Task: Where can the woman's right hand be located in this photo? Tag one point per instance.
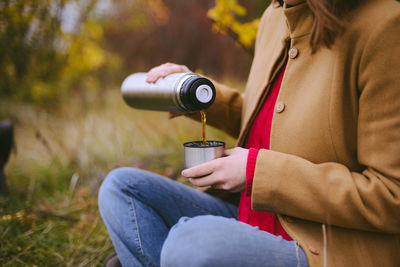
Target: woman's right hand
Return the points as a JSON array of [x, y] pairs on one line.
[[163, 70]]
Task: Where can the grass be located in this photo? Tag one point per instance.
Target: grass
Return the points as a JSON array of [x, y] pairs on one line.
[[50, 217]]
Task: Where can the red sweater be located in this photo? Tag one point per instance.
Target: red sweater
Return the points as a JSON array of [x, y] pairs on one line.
[[259, 137]]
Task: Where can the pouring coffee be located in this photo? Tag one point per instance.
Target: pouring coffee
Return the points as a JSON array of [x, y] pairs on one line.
[[177, 92]]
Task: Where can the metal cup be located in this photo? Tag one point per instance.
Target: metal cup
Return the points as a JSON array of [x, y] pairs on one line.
[[196, 152]]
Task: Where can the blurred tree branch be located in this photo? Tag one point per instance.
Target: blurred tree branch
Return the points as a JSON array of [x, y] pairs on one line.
[[40, 60], [227, 16], [49, 49]]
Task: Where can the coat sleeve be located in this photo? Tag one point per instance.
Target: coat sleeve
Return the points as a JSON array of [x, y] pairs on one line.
[[225, 113], [329, 192]]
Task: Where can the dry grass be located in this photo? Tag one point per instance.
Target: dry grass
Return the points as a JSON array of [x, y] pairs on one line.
[[51, 217]]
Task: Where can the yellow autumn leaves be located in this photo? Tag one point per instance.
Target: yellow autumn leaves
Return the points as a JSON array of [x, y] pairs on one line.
[[44, 58], [225, 15]]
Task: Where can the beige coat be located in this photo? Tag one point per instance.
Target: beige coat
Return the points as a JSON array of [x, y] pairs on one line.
[[333, 171]]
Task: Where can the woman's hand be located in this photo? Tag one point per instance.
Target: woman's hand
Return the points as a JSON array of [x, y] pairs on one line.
[[163, 70], [227, 173]]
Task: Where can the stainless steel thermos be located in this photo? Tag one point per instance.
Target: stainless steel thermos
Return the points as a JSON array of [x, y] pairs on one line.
[[175, 92]]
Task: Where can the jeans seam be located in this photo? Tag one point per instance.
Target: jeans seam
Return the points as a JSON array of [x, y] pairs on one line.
[[174, 195], [138, 233], [296, 246]]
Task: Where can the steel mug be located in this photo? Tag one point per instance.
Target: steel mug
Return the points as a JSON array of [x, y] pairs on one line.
[[196, 152]]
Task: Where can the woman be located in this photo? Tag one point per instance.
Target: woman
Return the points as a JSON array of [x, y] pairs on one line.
[[318, 156]]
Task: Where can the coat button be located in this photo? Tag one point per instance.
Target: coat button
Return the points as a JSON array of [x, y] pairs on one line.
[[313, 250], [280, 106], [293, 52]]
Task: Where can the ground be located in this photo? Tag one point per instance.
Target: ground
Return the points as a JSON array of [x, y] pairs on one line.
[[62, 154]]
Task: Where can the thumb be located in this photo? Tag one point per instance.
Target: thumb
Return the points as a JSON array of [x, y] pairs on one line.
[[229, 152]]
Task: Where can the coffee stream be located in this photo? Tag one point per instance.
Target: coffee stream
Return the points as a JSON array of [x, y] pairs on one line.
[[203, 120]]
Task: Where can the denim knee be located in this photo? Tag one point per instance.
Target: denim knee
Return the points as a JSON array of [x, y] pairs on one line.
[[113, 184], [191, 242]]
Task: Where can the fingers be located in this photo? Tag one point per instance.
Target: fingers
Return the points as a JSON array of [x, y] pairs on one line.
[[163, 70], [227, 173], [200, 170], [205, 181], [172, 115], [204, 174]]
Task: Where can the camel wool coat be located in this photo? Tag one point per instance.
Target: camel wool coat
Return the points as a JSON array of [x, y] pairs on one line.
[[333, 170]]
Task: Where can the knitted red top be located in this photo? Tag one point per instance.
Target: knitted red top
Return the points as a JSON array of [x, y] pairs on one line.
[[259, 138]]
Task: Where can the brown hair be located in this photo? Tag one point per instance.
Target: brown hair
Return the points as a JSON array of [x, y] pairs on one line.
[[329, 20]]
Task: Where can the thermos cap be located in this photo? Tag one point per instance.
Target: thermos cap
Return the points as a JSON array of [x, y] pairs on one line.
[[204, 93]]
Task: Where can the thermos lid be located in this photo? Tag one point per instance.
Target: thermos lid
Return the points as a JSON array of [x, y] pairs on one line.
[[197, 93], [204, 93]]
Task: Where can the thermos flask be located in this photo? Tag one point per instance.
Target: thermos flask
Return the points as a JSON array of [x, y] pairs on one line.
[[177, 92]]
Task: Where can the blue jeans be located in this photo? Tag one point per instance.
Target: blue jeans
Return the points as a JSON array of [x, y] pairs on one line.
[[154, 221]]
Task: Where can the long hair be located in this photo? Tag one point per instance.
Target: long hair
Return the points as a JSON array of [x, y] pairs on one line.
[[329, 20]]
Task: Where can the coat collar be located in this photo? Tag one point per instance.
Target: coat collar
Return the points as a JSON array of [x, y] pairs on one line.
[[299, 19]]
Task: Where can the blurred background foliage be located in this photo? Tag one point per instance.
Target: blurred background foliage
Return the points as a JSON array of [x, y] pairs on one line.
[[61, 66], [51, 49], [225, 15]]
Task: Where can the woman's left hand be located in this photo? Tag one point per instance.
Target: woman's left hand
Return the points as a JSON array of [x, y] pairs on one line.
[[227, 173]]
